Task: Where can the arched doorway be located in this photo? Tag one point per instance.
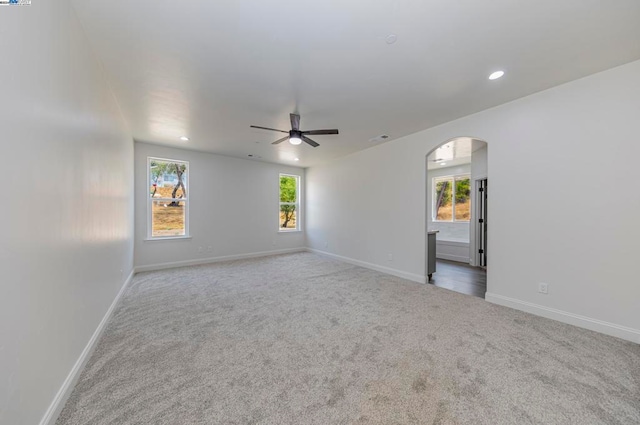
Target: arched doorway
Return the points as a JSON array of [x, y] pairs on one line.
[[456, 219]]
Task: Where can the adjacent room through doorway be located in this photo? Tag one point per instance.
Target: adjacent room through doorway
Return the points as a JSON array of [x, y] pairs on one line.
[[457, 199]]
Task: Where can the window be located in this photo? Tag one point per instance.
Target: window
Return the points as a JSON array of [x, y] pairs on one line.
[[168, 206], [289, 202], [452, 198]]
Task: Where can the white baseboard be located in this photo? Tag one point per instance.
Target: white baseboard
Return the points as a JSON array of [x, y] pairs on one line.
[[174, 264], [450, 257], [388, 270], [607, 328], [56, 406]]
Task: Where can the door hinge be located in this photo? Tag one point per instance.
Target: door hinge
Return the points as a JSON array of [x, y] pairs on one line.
[[481, 189], [480, 220], [481, 251]]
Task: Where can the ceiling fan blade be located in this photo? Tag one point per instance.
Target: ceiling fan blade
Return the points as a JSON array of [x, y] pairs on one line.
[[267, 128], [309, 141], [280, 140], [295, 121], [312, 132]]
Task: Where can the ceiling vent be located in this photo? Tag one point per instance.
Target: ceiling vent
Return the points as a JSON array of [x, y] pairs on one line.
[[380, 138]]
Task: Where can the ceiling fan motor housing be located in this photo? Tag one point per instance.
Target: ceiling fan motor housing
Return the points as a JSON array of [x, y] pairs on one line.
[[296, 134]]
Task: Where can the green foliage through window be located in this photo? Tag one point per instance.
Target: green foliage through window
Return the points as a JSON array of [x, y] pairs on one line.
[[452, 198], [288, 202]]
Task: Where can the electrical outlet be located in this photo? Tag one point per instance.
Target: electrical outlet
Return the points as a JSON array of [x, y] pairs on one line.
[[543, 288], [390, 257], [326, 244], [209, 248], [200, 250]]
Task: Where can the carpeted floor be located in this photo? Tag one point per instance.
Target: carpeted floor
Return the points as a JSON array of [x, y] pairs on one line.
[[302, 339]]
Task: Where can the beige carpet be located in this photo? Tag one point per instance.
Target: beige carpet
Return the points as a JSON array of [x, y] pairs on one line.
[[302, 339]]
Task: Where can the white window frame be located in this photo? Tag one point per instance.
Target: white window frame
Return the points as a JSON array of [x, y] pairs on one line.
[[434, 200], [296, 203], [150, 200]]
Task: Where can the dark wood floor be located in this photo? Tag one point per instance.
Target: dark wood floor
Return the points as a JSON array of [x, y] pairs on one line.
[[460, 277]]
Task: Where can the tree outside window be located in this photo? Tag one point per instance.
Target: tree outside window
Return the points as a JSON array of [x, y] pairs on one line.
[[452, 198], [289, 202], [168, 201]]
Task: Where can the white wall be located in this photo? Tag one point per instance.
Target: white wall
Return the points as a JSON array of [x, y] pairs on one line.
[[479, 171], [67, 240], [549, 220], [234, 206]]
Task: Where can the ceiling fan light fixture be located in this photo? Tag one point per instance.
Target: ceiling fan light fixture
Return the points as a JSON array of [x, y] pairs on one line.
[[295, 137]]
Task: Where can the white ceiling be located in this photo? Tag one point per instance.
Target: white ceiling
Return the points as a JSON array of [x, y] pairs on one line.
[[209, 69], [452, 153]]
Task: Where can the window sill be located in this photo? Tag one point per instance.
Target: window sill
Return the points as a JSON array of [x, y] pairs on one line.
[[448, 221], [289, 231], [168, 238]]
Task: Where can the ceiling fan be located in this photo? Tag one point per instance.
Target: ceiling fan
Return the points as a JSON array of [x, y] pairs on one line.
[[297, 136]]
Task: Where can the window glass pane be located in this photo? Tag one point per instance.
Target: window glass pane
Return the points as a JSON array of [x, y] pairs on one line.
[[168, 218], [443, 207], [288, 189], [168, 190], [463, 198], [288, 215], [168, 179], [288, 202]]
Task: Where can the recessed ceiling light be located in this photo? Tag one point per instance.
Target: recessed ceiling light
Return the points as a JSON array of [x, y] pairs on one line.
[[184, 138], [443, 163], [296, 159], [496, 75]]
